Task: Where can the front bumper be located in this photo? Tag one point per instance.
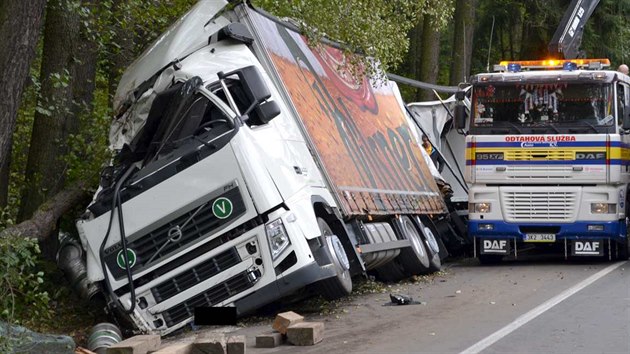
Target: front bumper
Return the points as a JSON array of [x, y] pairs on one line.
[[614, 230]]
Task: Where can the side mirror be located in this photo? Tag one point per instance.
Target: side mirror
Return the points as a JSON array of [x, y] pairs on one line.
[[264, 113], [625, 125], [253, 84], [460, 116]]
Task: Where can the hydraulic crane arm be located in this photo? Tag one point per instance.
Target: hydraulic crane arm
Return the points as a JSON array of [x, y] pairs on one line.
[[568, 36]]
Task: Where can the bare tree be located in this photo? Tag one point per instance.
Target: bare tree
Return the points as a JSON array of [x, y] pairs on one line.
[[20, 27]]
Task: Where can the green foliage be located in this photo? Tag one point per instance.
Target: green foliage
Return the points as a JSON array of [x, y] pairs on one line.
[[22, 300]]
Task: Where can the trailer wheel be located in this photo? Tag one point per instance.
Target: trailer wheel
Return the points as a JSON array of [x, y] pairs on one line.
[[429, 232], [415, 259], [341, 284]]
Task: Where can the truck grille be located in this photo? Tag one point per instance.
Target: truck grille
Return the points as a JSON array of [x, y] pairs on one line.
[[527, 155], [209, 298], [198, 223], [196, 275], [539, 206]]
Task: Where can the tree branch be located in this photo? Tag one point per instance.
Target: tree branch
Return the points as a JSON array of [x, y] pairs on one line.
[[44, 221]]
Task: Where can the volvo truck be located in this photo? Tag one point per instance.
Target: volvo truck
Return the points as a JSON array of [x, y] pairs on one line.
[[249, 165]]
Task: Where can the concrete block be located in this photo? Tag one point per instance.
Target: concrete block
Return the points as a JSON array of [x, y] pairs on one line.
[[286, 319], [236, 345], [179, 348], [136, 345], [305, 333], [210, 343], [269, 340]]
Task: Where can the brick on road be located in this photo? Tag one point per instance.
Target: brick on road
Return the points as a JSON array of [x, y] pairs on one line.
[[179, 348], [286, 319], [136, 345], [306, 333], [236, 345], [268, 340], [210, 343]]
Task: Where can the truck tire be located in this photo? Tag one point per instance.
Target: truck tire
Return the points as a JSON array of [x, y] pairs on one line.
[[415, 259], [432, 241], [624, 248], [341, 284]]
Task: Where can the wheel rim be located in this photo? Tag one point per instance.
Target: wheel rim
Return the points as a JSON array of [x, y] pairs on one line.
[[414, 239], [340, 252], [431, 239]]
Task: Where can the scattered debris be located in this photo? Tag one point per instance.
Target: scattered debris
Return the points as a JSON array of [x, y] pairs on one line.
[[236, 345], [286, 319], [136, 345], [397, 299], [306, 333], [210, 343], [458, 292], [179, 348], [269, 340]]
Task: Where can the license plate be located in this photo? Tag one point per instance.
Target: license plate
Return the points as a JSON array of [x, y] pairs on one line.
[[540, 238]]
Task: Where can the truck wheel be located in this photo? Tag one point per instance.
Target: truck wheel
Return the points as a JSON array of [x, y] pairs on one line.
[[415, 259], [434, 243], [624, 248], [341, 284]]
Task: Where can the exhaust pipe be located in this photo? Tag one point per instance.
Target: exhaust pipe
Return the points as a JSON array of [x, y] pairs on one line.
[[71, 261]]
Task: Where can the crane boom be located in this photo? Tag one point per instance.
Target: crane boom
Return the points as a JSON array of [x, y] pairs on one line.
[[568, 37]]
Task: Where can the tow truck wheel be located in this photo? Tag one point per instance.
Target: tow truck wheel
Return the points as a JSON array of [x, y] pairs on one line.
[[415, 259], [341, 284], [624, 248]]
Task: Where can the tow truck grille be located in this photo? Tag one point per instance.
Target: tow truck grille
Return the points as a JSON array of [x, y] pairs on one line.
[[539, 206], [211, 297], [195, 275], [528, 155]]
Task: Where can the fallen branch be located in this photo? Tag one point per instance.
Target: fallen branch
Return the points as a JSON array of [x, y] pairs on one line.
[[44, 221]]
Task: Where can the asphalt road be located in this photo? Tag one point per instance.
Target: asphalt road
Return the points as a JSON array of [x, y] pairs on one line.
[[531, 306]]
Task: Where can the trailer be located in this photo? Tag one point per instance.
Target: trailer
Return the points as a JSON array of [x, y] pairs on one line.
[[249, 166]]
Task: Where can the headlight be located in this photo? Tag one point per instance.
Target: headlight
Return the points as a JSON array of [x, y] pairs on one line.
[[479, 207], [603, 208], [277, 237]]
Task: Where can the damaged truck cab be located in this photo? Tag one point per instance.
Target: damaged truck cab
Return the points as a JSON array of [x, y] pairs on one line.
[[247, 167]]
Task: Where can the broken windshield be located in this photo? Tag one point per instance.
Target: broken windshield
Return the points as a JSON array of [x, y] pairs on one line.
[[543, 108]]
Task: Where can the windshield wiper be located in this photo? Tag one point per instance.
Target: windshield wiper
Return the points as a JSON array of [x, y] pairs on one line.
[[513, 126], [591, 126], [554, 127]]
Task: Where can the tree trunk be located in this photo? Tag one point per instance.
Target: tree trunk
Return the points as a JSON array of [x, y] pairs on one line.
[[20, 26], [414, 55], [83, 72], [462, 41], [4, 180], [44, 221], [430, 56], [44, 169]]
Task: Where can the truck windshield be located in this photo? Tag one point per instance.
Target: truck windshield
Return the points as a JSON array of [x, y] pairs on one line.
[[543, 108]]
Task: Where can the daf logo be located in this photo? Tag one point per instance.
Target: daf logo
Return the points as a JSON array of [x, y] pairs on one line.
[[587, 248], [590, 155], [495, 247]]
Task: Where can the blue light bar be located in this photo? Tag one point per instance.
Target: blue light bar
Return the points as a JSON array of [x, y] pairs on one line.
[[570, 66], [513, 67]]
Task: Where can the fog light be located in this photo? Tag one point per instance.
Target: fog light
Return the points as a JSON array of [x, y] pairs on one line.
[[485, 227], [595, 227]]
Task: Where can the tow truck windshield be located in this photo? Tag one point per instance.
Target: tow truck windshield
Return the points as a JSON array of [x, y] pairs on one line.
[[543, 108]]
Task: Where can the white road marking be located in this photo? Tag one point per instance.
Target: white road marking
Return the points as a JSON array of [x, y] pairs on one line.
[[539, 310]]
